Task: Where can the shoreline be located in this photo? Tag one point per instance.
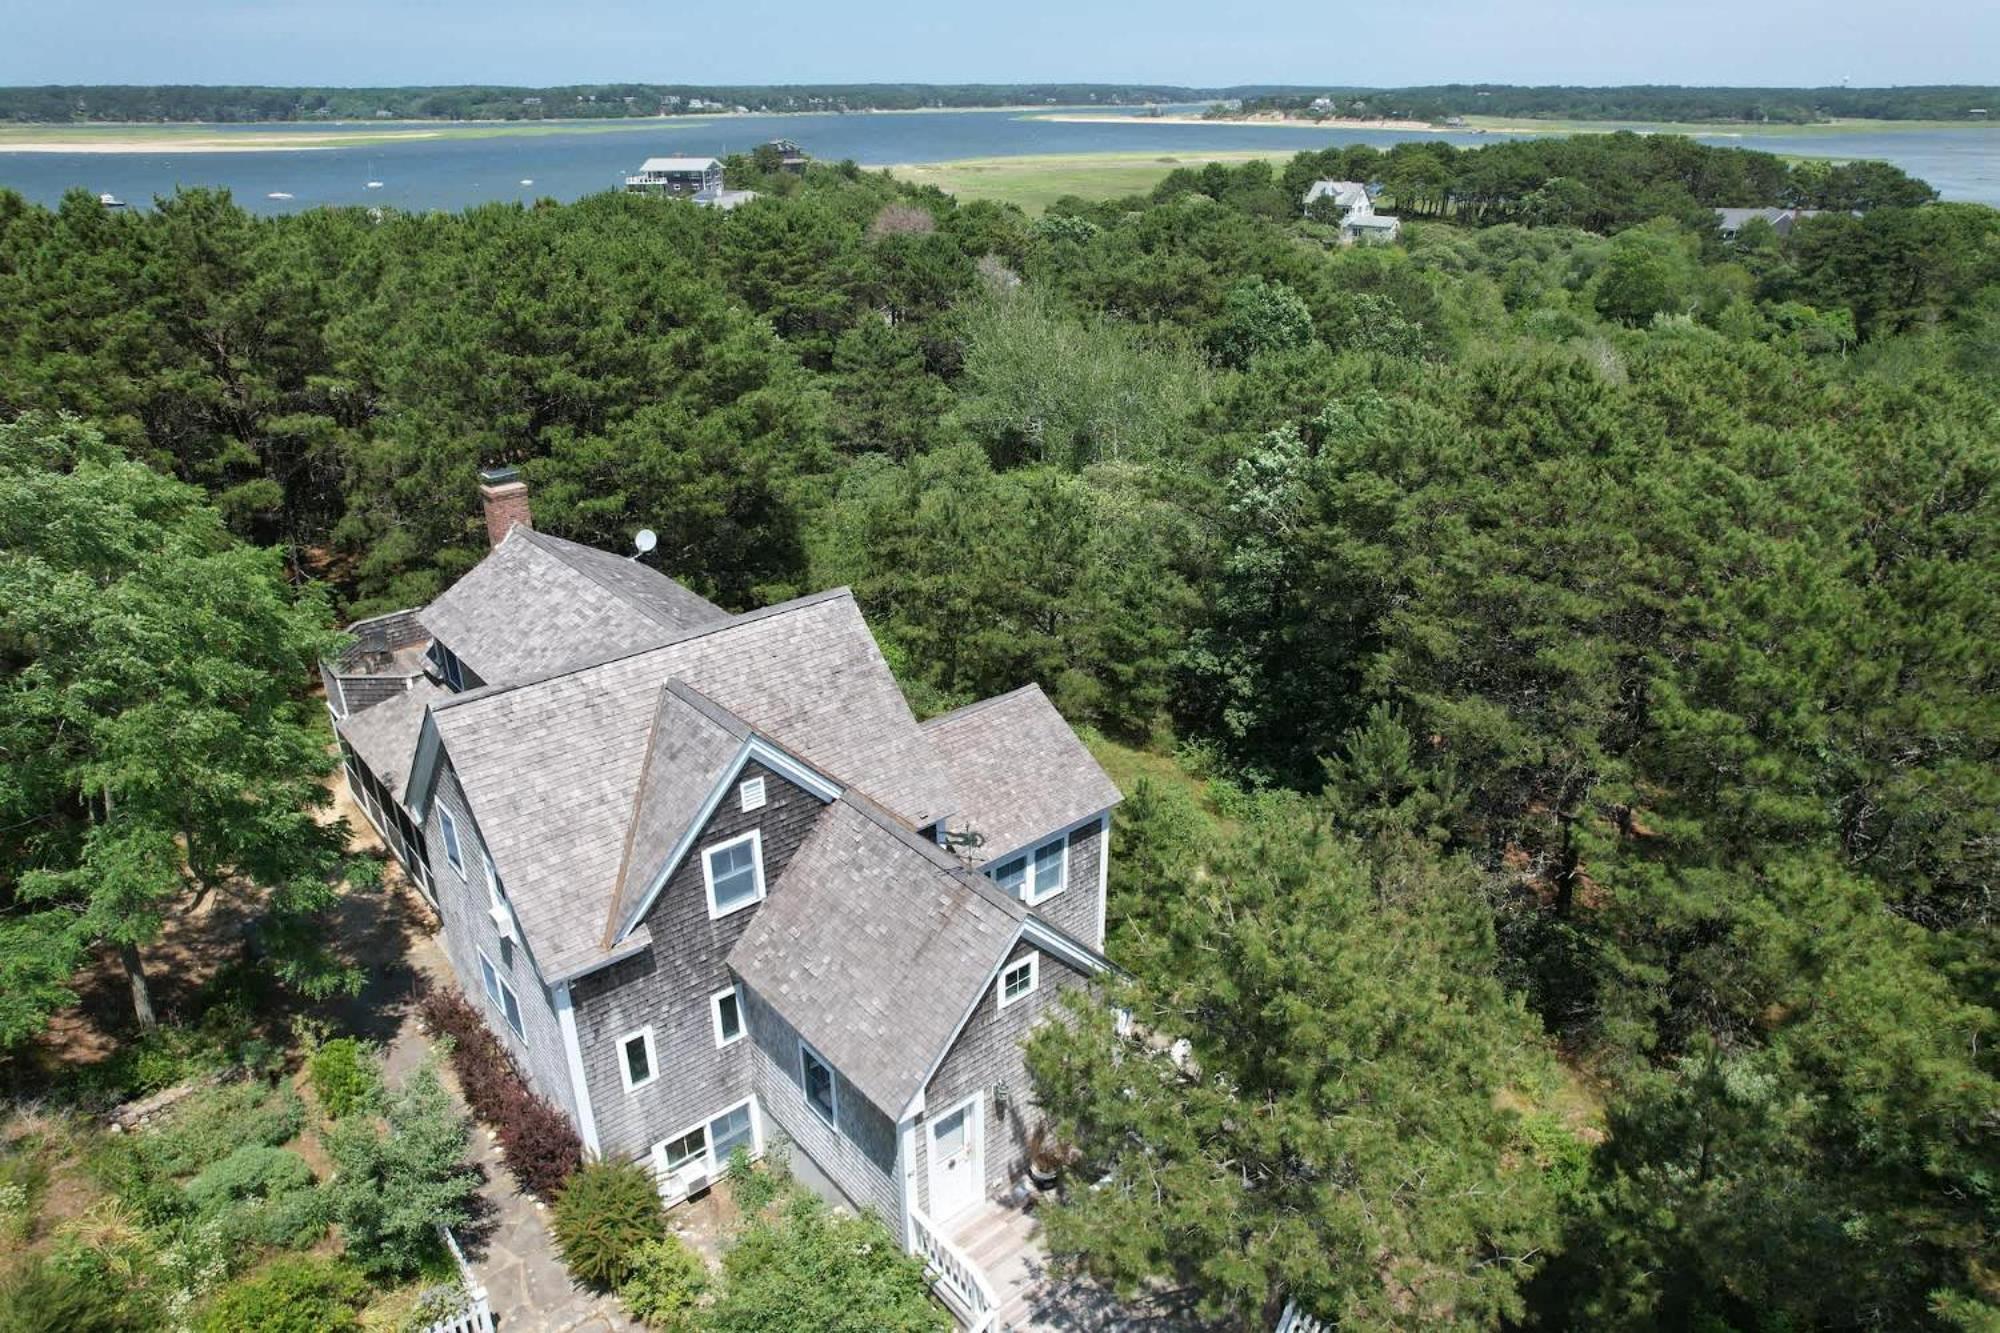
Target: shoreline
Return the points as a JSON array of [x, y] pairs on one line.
[[1404, 126], [1475, 125], [248, 136]]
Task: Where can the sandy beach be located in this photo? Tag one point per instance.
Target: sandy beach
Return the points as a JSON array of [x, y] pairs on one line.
[[266, 145]]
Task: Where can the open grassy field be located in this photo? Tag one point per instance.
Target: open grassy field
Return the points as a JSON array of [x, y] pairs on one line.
[[1034, 182]]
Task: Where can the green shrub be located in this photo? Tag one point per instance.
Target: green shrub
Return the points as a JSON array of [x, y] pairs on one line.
[[24, 1178], [345, 1077], [260, 1196], [602, 1217], [665, 1285], [392, 1189], [295, 1294], [252, 1172], [43, 1297], [210, 1125], [806, 1268], [434, 1305], [752, 1186]]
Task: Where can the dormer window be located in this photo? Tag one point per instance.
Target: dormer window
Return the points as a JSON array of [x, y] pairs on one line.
[[1036, 876]]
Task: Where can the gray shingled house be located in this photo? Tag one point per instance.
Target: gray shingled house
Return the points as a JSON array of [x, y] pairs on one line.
[[715, 884]]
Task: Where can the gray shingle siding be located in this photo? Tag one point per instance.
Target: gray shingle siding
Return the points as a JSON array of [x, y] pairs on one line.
[[360, 693], [1075, 909], [668, 986], [861, 1157], [462, 906], [989, 1052]]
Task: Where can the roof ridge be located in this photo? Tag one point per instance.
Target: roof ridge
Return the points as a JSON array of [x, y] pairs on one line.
[[701, 703], [632, 822], [540, 541], [697, 632], [966, 710]]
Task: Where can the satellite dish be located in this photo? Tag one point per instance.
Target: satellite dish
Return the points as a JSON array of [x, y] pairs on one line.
[[645, 540]]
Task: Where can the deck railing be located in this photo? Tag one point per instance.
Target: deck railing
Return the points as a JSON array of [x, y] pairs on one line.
[[958, 1279]]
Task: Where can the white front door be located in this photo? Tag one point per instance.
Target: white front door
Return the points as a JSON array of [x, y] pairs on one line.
[[957, 1160]]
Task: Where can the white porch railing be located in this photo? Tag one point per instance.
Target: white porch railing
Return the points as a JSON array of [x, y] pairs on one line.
[[477, 1315], [959, 1281], [1295, 1320]]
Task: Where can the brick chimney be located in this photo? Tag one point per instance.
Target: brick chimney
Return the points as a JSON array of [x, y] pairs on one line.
[[505, 496]]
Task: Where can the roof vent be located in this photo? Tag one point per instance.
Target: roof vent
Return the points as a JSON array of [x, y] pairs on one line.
[[505, 497]]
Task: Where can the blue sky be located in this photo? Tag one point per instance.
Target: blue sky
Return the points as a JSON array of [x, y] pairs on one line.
[[354, 42]]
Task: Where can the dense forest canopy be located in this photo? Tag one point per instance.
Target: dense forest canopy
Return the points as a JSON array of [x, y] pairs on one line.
[[1582, 626], [82, 103], [1646, 102]]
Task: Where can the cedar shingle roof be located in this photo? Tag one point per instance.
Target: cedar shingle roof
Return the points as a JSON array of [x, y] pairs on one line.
[[687, 753], [1018, 769], [538, 603], [873, 944], [551, 765], [385, 734]]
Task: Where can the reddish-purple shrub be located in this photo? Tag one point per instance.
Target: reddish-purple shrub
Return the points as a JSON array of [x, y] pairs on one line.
[[539, 1145], [537, 1141]]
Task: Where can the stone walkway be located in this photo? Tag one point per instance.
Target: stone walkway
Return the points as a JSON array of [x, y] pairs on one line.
[[510, 1248]]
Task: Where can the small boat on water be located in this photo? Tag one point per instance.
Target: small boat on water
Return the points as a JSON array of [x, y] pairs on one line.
[[110, 201], [277, 194], [529, 181], [374, 185]]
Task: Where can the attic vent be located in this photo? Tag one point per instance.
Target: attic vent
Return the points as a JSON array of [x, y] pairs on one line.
[[751, 794]]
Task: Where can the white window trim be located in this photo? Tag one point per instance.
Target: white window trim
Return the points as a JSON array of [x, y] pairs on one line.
[[454, 852], [751, 794], [832, 1085], [1028, 894], [500, 980], [1034, 963], [494, 896], [756, 840], [712, 1167], [645, 1035], [715, 1017]]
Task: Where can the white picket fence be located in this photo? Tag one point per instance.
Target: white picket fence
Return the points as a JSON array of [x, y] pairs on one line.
[[1295, 1320], [477, 1315], [959, 1280]]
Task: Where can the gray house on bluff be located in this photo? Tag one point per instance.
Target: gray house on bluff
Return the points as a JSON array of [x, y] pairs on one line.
[[712, 881]]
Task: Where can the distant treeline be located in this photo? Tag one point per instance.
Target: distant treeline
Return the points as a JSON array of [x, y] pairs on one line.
[[1788, 106], [74, 103], [59, 104]]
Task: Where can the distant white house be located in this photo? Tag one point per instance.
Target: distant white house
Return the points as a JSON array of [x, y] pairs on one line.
[[1730, 221], [696, 179], [1358, 219]]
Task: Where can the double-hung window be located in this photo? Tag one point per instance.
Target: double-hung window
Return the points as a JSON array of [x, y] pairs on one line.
[[1018, 980], [638, 1065], [1036, 876], [734, 871], [727, 1010], [707, 1146], [502, 995], [1047, 877], [817, 1076], [689, 1147], [449, 827]]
